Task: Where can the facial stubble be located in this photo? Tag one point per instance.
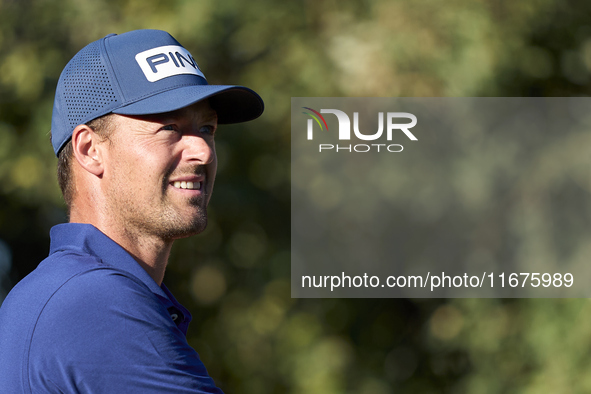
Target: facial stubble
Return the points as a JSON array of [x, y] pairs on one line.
[[169, 220]]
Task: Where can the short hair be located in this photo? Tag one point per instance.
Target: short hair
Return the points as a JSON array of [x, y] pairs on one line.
[[102, 126]]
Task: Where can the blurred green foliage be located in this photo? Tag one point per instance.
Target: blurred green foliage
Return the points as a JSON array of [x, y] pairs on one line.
[[235, 277]]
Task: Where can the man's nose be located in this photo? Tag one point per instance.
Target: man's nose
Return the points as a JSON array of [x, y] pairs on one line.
[[198, 149]]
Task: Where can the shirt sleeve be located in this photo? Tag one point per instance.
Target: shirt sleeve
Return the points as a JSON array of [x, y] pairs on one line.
[[104, 332]]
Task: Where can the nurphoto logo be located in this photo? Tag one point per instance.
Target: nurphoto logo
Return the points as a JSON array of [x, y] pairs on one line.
[[392, 125]]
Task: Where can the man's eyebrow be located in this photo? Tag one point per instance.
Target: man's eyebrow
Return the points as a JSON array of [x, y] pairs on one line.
[[179, 113], [204, 115], [210, 115]]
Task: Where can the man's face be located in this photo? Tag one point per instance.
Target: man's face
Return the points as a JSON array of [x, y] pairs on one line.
[[160, 170]]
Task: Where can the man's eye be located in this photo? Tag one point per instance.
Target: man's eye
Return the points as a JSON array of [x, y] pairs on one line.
[[209, 129], [169, 127]]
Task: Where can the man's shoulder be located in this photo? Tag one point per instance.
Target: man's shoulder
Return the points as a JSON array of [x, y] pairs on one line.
[[84, 319], [67, 283], [102, 295], [67, 291], [65, 271]]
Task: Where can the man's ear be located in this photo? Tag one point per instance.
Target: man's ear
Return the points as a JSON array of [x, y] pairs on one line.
[[88, 150]]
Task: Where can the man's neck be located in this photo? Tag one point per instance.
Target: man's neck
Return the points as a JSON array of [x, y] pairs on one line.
[[150, 252]]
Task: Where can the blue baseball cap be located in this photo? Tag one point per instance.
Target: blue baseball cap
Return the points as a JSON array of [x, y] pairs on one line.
[[138, 73]]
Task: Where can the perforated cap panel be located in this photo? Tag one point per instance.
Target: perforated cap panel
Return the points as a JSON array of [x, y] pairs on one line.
[[86, 86]]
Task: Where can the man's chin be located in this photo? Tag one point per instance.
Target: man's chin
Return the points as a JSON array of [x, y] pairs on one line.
[[193, 228], [191, 232], [181, 227]]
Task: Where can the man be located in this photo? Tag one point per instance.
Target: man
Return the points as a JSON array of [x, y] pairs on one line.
[[133, 127]]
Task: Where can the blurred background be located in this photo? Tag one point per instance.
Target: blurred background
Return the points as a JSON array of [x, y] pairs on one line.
[[251, 335]]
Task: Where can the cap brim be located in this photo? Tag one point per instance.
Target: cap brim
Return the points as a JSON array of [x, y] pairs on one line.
[[233, 104]]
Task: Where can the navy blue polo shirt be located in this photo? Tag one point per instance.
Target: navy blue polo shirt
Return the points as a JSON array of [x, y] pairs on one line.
[[90, 319]]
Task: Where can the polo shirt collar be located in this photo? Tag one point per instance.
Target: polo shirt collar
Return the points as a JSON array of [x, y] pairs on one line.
[[87, 239]]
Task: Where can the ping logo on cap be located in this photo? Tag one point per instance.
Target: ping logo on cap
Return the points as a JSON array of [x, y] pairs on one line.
[[166, 61]]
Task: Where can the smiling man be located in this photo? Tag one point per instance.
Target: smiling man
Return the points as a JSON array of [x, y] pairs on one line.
[[133, 127]]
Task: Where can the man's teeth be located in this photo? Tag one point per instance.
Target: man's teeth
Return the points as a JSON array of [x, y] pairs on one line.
[[187, 185]]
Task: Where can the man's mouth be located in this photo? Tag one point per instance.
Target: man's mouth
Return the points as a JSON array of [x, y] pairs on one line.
[[187, 185]]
